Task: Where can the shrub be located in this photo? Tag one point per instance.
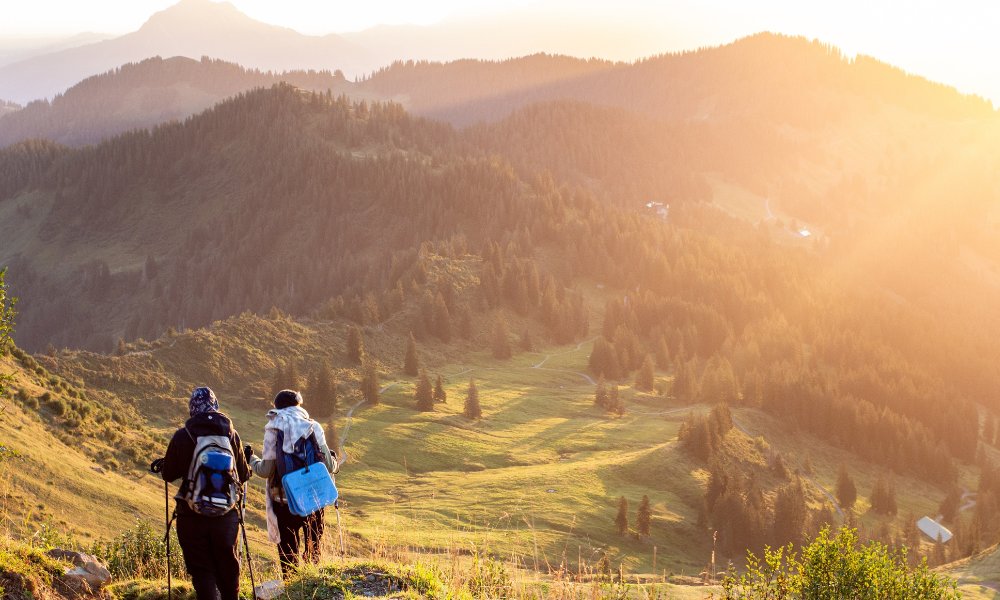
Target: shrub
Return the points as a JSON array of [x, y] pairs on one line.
[[139, 553], [489, 579], [837, 567]]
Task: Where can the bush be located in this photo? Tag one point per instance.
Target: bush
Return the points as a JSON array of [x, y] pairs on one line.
[[139, 553], [837, 567], [58, 406], [489, 579]]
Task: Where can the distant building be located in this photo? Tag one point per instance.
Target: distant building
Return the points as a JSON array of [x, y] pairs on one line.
[[934, 530]]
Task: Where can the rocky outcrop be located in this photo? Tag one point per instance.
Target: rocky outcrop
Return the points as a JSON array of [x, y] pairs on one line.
[[87, 575]]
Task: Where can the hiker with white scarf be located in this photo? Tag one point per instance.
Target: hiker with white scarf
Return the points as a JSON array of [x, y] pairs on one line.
[[290, 532]]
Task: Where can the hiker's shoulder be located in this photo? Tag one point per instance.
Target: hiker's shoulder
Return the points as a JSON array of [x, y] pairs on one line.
[[211, 423]]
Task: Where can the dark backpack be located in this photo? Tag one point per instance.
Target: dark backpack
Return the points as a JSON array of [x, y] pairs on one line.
[[211, 488], [306, 453]]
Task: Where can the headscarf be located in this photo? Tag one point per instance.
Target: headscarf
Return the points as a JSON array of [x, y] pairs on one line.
[[203, 400]]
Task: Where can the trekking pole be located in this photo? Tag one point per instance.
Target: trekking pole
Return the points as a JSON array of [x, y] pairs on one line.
[[157, 467], [166, 516], [340, 532], [246, 544]]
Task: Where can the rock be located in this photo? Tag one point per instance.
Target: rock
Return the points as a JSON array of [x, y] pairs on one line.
[[87, 574], [269, 590]]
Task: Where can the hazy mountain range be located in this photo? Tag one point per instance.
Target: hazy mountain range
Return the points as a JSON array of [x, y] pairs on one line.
[[192, 28]]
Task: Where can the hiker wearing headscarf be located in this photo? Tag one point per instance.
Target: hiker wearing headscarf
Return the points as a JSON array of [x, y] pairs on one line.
[[208, 542], [293, 534]]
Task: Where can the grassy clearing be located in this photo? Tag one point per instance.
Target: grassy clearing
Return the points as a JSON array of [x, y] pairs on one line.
[[978, 577]]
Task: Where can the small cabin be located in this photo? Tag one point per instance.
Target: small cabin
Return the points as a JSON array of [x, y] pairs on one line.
[[934, 530]]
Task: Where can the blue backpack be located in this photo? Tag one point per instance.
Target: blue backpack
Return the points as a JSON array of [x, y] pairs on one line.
[[305, 481]]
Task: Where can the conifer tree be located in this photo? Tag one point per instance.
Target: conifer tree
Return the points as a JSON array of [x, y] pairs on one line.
[[424, 394], [292, 379], [472, 410], [411, 364], [621, 519], [601, 398], [501, 340], [355, 345], [790, 514], [441, 319], [527, 344], [847, 493], [662, 354], [643, 516], [323, 391], [278, 382], [440, 395], [369, 385], [645, 378]]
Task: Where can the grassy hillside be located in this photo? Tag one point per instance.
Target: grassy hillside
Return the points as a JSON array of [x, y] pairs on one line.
[[65, 475], [978, 577], [536, 481]]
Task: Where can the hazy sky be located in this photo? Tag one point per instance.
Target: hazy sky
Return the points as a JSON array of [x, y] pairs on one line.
[[953, 42]]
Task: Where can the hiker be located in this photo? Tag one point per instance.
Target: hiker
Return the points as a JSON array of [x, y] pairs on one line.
[[293, 534], [208, 521]]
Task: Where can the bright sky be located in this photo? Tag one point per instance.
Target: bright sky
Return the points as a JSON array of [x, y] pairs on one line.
[[954, 42]]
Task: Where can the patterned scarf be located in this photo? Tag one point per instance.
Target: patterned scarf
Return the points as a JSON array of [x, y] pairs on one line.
[[203, 400]]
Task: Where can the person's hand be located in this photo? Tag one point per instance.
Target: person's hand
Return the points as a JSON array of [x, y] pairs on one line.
[[156, 466], [248, 452]]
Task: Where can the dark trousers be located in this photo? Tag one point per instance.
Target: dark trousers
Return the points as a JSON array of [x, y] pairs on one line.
[[297, 534], [211, 554]]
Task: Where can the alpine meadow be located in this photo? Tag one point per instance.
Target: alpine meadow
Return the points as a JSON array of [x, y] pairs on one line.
[[705, 323]]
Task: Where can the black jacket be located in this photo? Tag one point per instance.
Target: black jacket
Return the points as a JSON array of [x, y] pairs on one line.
[[181, 451]]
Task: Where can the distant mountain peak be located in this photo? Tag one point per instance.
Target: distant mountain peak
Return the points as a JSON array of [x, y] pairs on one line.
[[202, 12]]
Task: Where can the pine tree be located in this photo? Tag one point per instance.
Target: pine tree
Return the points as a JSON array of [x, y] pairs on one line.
[[441, 319], [527, 344], [323, 392], [662, 354], [847, 493], [621, 519], [369, 385], [311, 388], [601, 398], [440, 395], [278, 383], [501, 340], [293, 379], [355, 345], [643, 516], [645, 378], [790, 514], [411, 365], [424, 394], [472, 409]]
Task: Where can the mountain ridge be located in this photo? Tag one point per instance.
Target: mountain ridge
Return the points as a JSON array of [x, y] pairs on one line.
[[192, 29]]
